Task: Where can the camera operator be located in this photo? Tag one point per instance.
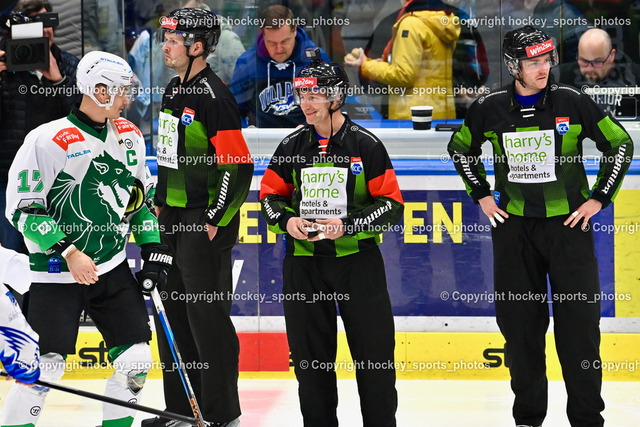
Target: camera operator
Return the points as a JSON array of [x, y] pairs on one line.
[[29, 99]]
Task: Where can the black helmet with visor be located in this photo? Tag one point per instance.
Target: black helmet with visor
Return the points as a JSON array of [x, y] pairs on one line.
[[328, 78], [526, 43], [193, 24]]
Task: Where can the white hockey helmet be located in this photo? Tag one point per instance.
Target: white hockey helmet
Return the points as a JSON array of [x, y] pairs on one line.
[[97, 68]]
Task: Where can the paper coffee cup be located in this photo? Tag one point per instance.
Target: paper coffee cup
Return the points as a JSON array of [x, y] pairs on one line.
[[421, 117]]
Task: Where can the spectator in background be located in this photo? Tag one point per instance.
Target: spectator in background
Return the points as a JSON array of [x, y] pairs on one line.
[[263, 77], [102, 24], [147, 61], [599, 64], [420, 71], [223, 59], [88, 25], [323, 21], [363, 16], [23, 107], [470, 61], [229, 48], [69, 31]]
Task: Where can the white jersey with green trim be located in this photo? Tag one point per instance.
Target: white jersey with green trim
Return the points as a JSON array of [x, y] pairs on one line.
[[69, 181]]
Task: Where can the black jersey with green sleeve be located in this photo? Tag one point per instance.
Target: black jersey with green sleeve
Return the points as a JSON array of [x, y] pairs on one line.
[[538, 151], [353, 180], [203, 159]]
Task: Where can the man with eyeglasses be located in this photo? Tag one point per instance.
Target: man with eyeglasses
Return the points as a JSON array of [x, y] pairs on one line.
[[540, 210], [599, 66]]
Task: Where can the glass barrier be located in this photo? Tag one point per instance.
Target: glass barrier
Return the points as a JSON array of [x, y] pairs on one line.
[[444, 54]]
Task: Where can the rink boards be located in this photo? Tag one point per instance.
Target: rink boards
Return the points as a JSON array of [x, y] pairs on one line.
[[439, 274], [418, 355], [439, 258]]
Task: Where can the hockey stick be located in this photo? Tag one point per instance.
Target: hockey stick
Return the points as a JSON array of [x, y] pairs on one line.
[[177, 357], [113, 401]]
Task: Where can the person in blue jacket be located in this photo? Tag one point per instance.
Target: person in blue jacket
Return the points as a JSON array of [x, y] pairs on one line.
[[262, 80]]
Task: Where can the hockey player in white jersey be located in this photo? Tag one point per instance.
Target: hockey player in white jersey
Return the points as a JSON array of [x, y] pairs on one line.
[[19, 351], [75, 187]]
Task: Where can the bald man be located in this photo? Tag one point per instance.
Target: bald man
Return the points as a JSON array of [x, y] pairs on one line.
[[598, 65], [596, 55]]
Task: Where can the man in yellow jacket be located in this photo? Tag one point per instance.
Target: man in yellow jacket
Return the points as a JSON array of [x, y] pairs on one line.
[[417, 62]]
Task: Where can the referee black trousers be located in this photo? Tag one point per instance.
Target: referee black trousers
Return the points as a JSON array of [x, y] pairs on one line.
[[526, 251], [198, 301], [357, 283]]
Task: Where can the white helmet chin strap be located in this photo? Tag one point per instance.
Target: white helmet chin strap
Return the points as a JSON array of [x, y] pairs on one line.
[[107, 105]]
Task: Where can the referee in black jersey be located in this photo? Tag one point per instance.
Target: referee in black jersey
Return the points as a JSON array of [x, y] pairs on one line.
[[540, 210], [204, 173]]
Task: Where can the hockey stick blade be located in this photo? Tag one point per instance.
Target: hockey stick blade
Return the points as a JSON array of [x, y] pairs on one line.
[[113, 401]]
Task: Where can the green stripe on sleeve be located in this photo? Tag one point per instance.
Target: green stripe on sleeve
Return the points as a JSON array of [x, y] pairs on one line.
[[461, 141], [144, 227], [491, 136], [613, 132], [40, 229]]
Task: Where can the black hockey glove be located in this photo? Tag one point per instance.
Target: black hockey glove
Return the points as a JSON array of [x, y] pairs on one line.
[[155, 270]]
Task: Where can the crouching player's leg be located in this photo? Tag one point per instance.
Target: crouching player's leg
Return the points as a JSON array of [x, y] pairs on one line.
[[24, 403], [132, 364]]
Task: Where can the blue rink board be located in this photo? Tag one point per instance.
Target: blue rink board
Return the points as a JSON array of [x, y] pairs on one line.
[[417, 273]]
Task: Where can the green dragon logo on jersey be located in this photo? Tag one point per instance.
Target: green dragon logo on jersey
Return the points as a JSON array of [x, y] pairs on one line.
[[90, 211]]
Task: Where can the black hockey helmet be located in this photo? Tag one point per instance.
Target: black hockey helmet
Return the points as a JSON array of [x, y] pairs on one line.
[[526, 43], [193, 24], [328, 77]]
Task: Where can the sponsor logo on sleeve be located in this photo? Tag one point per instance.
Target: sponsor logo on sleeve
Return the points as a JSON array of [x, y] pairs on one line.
[[124, 126], [67, 136]]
